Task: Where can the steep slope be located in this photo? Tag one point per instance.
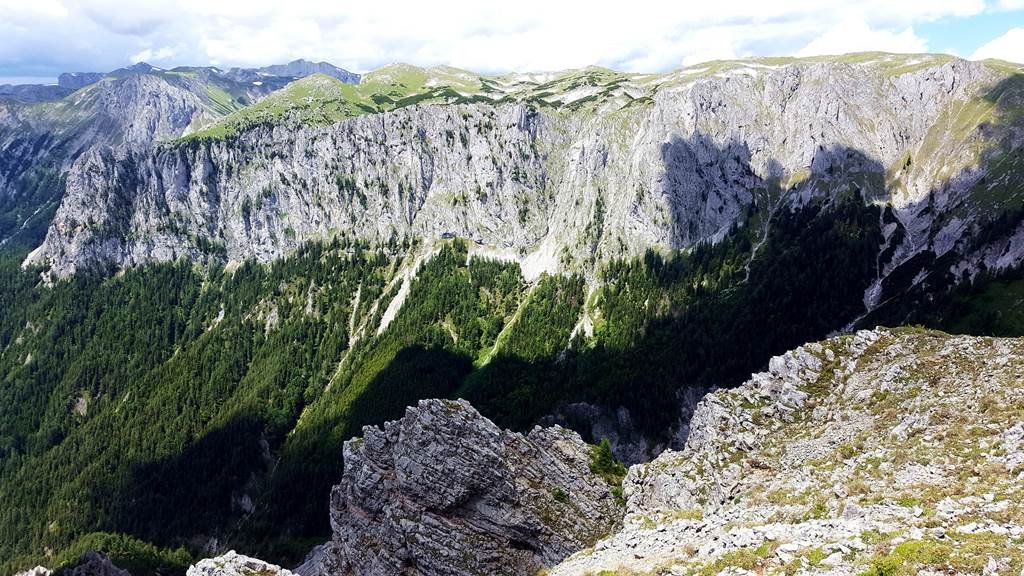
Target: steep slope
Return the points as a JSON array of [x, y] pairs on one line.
[[567, 171], [40, 143], [165, 368], [887, 451], [132, 107]]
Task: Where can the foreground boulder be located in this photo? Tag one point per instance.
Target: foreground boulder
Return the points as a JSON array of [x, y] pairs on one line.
[[886, 452], [445, 491]]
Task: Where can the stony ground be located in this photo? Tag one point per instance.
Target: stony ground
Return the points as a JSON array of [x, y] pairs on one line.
[[887, 452]]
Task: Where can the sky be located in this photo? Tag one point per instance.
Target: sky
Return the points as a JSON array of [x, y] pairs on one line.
[[41, 38]]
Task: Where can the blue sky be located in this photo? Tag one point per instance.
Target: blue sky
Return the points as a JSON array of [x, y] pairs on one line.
[[962, 36], [41, 38]]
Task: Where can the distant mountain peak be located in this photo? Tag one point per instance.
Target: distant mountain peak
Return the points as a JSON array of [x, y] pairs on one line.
[[139, 67], [301, 68]]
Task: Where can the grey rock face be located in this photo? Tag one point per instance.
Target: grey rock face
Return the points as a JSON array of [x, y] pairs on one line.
[[611, 170], [41, 142], [148, 108], [252, 203], [445, 491]]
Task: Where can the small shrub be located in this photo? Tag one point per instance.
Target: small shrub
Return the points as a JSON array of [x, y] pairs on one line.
[[847, 451], [604, 464], [560, 496]]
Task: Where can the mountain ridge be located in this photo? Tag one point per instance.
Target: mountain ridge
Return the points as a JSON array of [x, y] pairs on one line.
[[224, 282], [954, 122]]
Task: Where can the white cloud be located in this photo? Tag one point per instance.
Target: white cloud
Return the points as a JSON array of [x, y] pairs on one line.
[[151, 55], [24, 12], [1009, 46], [857, 36], [640, 35]]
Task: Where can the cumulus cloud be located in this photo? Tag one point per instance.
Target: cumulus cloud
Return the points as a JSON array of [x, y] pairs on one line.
[[641, 35], [151, 55], [1009, 46], [857, 36]]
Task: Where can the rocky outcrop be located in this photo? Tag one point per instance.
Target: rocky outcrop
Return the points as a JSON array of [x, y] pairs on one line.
[[234, 564], [445, 491], [894, 451]]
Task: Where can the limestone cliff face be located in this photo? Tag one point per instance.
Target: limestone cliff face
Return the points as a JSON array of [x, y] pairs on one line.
[[586, 166], [445, 491], [40, 143], [128, 109], [375, 177], [134, 110]]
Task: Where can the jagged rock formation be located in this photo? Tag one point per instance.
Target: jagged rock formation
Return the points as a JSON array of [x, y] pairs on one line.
[[571, 169], [445, 491], [235, 564], [888, 450]]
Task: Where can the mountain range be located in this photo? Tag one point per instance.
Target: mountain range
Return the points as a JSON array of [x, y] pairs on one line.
[[211, 279]]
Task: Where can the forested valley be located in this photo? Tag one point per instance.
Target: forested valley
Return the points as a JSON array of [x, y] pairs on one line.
[[151, 411]]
